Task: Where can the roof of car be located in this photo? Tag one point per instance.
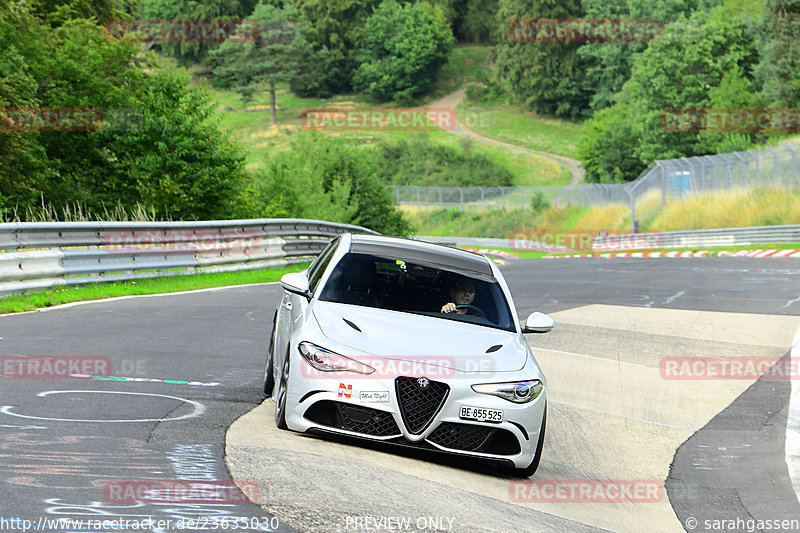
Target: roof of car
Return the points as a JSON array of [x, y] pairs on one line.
[[420, 252]]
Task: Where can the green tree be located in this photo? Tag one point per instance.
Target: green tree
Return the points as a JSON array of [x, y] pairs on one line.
[[24, 162], [477, 23], [56, 12], [333, 28], [471, 20], [401, 51], [546, 76], [779, 67], [686, 69], [608, 64], [605, 148], [189, 52], [324, 178], [168, 154], [280, 54]]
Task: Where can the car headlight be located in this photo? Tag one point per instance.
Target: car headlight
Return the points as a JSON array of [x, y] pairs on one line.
[[328, 361], [514, 391]]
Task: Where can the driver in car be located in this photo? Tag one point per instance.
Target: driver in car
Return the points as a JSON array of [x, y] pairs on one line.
[[462, 294]]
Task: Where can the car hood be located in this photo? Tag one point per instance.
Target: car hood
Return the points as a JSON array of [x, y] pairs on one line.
[[409, 337]]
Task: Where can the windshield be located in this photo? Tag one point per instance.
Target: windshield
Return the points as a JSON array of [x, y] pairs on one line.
[[415, 287]]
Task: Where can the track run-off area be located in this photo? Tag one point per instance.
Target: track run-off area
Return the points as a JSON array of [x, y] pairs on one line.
[[656, 420]]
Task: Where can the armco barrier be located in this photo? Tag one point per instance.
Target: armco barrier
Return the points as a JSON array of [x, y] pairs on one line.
[[756, 235], [41, 255]]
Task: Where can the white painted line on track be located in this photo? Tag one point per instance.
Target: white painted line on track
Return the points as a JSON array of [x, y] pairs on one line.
[[117, 298], [793, 423], [674, 297], [790, 302], [642, 420], [589, 356]]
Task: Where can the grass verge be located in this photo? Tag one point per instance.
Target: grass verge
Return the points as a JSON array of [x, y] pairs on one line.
[[97, 291], [515, 125]]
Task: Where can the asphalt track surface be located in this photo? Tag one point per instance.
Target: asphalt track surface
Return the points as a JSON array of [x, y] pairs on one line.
[[717, 445]]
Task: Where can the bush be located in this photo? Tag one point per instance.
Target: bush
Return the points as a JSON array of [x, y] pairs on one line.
[[538, 202], [489, 91], [417, 161], [401, 50], [325, 178]]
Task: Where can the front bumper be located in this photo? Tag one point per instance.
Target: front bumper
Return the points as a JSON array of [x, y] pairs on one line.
[[378, 410]]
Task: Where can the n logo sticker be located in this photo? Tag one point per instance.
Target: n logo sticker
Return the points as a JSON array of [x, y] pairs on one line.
[[345, 390]]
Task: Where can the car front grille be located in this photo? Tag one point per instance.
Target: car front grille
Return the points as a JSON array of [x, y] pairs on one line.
[[475, 438], [354, 418], [418, 405]]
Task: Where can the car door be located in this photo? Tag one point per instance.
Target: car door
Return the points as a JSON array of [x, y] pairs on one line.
[[293, 306]]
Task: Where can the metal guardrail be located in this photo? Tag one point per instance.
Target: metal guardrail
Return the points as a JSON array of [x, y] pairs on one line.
[[755, 235], [41, 255], [517, 197]]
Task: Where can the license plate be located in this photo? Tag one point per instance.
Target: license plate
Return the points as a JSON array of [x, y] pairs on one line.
[[481, 414]]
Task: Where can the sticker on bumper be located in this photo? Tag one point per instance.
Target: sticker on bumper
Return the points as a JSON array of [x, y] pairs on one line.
[[374, 396]]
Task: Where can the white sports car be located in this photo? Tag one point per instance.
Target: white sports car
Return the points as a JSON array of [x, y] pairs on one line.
[[409, 343]]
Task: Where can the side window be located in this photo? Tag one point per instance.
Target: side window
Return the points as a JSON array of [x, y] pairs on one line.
[[317, 260], [320, 265]]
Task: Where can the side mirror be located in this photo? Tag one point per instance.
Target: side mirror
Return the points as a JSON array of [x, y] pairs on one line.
[[296, 283], [538, 323]]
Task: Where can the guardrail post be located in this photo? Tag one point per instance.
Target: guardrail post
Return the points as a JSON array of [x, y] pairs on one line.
[[775, 166], [633, 212], [794, 168], [503, 193], [744, 168], [461, 195]]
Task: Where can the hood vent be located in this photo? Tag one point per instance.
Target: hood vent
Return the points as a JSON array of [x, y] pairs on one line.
[[352, 325]]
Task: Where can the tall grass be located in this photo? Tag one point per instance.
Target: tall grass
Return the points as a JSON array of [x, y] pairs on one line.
[[76, 212], [738, 208]]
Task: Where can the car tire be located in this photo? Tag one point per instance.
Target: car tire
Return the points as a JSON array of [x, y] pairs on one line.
[[531, 468], [280, 400], [269, 379]]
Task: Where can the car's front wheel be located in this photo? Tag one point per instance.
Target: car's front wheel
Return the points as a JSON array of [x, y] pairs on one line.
[[269, 380], [280, 403], [531, 468]]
